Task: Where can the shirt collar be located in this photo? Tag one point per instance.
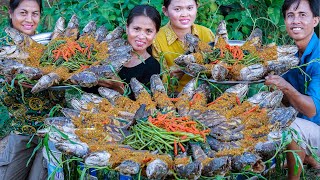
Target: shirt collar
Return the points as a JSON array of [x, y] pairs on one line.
[[171, 35], [312, 43]]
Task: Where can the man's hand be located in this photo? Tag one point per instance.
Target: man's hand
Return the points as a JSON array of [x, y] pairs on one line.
[[278, 82], [303, 103]]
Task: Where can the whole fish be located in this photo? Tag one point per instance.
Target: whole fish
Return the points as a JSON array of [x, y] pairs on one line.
[[45, 82]]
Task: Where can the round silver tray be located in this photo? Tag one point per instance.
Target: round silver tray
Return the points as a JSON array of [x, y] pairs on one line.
[[42, 38]]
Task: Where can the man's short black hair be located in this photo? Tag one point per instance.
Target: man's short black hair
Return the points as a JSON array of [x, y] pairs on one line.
[[314, 6]]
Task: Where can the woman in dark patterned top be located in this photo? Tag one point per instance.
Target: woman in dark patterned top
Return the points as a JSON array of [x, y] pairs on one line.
[[143, 23]]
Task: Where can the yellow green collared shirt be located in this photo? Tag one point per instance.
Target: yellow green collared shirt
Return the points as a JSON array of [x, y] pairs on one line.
[[167, 42]]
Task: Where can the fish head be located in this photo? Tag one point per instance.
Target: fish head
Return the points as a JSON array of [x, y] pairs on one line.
[[6, 50], [157, 169], [101, 158], [184, 60], [89, 29], [252, 72], [191, 42], [218, 166], [128, 167], [78, 149], [59, 28], [90, 97], [110, 94], [257, 98], [248, 160], [136, 87], [255, 38], [115, 34], [84, 79], [190, 171], [45, 82], [16, 36], [30, 72], [282, 116], [156, 84], [189, 88], [101, 33], [195, 68], [222, 28], [116, 44], [59, 121], [219, 72], [70, 113], [72, 30], [272, 100], [239, 89]]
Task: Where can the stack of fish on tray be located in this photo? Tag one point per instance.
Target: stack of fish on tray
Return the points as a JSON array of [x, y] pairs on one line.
[[238, 137], [246, 61], [69, 57]]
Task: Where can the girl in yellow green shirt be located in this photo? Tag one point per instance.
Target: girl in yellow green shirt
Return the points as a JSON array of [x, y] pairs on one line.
[[169, 40]]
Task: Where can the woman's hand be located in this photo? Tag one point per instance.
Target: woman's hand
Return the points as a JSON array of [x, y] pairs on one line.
[[113, 83]]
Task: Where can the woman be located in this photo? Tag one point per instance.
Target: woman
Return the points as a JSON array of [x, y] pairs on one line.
[[24, 15], [143, 23], [170, 39]]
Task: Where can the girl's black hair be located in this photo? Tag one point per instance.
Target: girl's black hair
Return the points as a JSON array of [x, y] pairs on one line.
[[13, 4], [166, 3], [145, 10], [314, 6]]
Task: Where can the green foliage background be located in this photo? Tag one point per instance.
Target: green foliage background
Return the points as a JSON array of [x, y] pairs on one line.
[[241, 16]]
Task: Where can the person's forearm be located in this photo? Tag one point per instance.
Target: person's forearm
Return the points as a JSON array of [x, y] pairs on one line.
[[304, 104]]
